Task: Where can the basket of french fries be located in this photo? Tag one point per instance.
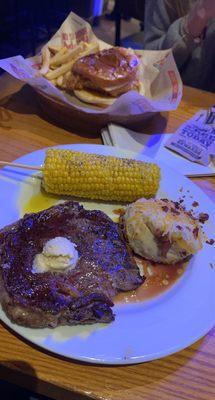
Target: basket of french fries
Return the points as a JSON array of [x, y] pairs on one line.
[[86, 83]]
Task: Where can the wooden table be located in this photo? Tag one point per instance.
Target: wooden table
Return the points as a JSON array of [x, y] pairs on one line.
[[189, 374]]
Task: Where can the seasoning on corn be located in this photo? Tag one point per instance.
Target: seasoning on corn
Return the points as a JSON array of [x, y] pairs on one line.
[[99, 177]]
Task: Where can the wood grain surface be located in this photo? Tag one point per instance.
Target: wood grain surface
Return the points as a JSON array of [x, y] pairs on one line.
[[189, 374]]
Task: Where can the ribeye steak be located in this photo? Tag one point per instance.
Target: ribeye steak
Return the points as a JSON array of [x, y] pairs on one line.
[[79, 296]]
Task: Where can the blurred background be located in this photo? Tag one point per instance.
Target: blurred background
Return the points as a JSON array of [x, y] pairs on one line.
[[25, 25]]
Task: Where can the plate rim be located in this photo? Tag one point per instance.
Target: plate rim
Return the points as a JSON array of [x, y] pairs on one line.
[[117, 361]]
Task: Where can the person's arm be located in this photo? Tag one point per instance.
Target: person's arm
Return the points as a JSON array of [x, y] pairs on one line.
[[164, 29]]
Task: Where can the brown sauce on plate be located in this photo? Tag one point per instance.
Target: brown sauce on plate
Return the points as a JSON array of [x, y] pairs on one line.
[[119, 211], [159, 278]]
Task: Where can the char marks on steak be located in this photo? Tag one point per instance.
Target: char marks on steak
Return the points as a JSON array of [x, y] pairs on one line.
[[81, 295]]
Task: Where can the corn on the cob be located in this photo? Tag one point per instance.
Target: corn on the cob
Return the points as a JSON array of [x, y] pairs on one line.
[[99, 177]]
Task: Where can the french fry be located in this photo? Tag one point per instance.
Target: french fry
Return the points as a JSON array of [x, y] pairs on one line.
[[67, 74], [59, 71], [46, 60], [60, 80], [54, 49], [59, 54], [62, 58], [91, 48], [54, 81]]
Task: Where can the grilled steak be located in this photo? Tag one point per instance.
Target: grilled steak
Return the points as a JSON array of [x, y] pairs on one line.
[[80, 295]]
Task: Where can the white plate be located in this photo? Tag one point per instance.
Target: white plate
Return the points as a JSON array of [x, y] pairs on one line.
[[141, 331]]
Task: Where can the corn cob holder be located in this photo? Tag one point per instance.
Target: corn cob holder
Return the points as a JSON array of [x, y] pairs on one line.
[[92, 176]]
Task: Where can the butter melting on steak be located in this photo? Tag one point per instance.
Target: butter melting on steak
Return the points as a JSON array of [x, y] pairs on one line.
[[82, 295]]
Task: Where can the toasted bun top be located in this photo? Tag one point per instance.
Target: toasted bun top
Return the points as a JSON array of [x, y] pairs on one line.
[[108, 68]]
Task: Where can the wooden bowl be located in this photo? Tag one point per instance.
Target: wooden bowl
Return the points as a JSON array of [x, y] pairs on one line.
[[80, 121]]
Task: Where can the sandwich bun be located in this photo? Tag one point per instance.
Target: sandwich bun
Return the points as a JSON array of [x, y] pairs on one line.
[[93, 97], [102, 77]]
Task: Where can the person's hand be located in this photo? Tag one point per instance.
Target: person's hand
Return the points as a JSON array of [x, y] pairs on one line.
[[199, 16]]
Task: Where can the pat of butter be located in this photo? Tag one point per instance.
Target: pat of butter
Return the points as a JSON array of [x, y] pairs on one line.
[[59, 254]]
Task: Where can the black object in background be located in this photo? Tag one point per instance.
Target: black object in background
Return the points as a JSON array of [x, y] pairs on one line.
[[25, 24], [127, 8]]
